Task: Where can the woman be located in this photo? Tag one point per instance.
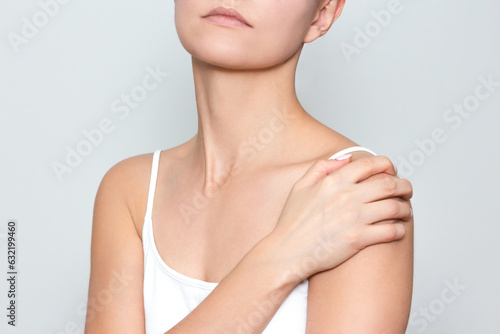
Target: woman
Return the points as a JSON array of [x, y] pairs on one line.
[[255, 229]]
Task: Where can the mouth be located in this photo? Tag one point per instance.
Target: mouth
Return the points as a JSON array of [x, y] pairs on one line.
[[228, 17]]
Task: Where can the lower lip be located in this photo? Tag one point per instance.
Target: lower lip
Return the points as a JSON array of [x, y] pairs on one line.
[[227, 21]]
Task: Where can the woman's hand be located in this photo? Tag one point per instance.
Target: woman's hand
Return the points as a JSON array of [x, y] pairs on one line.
[[332, 213]]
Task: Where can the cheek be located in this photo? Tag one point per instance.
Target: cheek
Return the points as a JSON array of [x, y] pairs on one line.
[[185, 21], [285, 25]]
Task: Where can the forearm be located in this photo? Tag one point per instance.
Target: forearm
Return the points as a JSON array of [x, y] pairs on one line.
[[245, 300]]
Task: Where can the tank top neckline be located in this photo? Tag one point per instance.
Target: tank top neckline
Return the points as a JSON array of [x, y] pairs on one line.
[[194, 282], [148, 234]]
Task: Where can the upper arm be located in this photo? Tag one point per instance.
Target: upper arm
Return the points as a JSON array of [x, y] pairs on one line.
[[115, 299], [369, 293]]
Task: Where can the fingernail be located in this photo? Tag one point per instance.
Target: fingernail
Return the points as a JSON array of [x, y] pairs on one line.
[[403, 230], [342, 157], [411, 213], [396, 169]]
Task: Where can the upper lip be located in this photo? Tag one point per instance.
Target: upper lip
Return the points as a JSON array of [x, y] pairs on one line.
[[228, 12]]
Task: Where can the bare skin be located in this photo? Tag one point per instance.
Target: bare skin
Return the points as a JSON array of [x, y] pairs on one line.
[[387, 268], [369, 293], [208, 245]]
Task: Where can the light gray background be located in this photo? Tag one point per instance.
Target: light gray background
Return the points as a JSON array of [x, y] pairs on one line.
[[389, 96]]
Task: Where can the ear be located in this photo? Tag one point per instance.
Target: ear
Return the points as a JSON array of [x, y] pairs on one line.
[[327, 13]]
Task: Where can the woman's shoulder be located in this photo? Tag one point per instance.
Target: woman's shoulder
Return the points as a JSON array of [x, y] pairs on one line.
[[129, 178]]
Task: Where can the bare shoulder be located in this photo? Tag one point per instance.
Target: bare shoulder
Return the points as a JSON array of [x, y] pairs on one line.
[[128, 180]]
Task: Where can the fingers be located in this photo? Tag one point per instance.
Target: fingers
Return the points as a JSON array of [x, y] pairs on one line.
[[318, 170], [384, 186], [363, 168], [392, 208], [375, 234]]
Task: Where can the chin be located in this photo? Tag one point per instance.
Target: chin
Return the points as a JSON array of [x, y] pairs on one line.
[[221, 55], [234, 49], [236, 56]]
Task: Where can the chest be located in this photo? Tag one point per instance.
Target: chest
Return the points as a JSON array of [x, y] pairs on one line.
[[204, 235]]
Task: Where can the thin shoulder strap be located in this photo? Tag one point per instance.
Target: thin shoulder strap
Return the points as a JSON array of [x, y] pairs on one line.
[[152, 183], [351, 149]]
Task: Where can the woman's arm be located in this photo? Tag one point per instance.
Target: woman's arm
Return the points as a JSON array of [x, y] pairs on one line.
[[370, 293], [245, 300], [115, 298]]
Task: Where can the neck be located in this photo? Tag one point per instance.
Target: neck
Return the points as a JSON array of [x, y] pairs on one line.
[[246, 119]]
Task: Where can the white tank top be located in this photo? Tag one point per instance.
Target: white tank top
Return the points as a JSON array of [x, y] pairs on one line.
[[169, 295]]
